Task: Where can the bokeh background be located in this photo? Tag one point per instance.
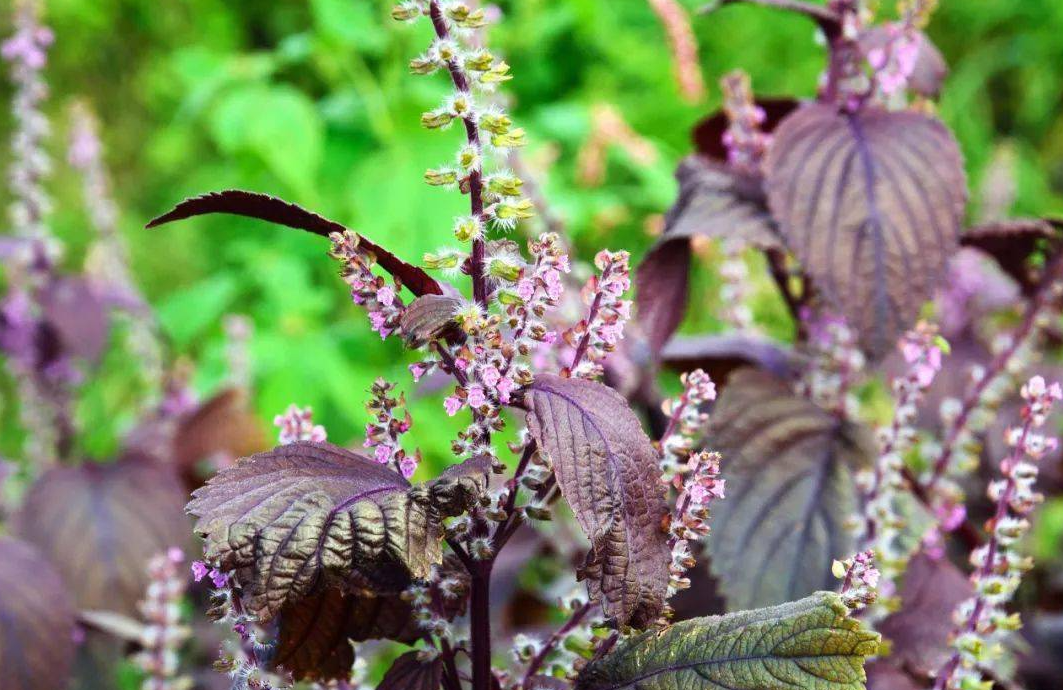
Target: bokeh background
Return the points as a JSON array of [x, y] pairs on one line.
[[311, 100]]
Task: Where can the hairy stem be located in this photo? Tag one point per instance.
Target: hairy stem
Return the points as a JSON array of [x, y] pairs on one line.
[[472, 135], [480, 624], [554, 640]]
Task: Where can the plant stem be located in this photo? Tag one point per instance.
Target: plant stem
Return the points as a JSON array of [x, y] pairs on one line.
[[585, 341], [472, 134], [537, 661], [480, 624]]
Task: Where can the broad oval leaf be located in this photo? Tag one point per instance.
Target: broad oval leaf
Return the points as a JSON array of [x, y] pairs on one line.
[[811, 644], [409, 672], [789, 467], [713, 202], [223, 425], [271, 209], [284, 519], [606, 468], [36, 621], [871, 203], [100, 524]]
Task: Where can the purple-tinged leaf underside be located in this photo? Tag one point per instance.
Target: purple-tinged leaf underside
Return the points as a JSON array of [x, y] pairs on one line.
[[306, 514], [409, 672], [607, 470], [37, 621], [1013, 243], [273, 210], [100, 524], [789, 467], [811, 644], [871, 204], [720, 355], [714, 202]]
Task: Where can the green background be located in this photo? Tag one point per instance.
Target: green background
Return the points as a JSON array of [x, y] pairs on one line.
[[312, 101]]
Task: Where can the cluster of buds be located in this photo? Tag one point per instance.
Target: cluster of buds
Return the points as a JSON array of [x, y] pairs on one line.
[[26, 50], [598, 334], [385, 428], [164, 632], [474, 71], [686, 421], [859, 579], [108, 258], [246, 663], [431, 599], [561, 654], [371, 291], [684, 47], [846, 80], [735, 289], [744, 139], [965, 421], [835, 361], [297, 424], [698, 487], [922, 349], [982, 620]]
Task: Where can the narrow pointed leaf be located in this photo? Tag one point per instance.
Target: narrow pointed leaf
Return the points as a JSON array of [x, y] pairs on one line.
[[36, 620], [271, 209], [811, 644], [789, 468], [285, 519], [607, 470], [871, 203]]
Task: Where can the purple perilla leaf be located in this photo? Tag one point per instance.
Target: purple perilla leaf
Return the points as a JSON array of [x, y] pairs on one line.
[[274, 210], [607, 470], [789, 467], [37, 622], [871, 203], [720, 355], [409, 672], [288, 520], [100, 524], [429, 317]]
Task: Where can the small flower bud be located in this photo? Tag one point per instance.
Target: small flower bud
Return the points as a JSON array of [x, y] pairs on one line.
[[512, 139], [436, 119]]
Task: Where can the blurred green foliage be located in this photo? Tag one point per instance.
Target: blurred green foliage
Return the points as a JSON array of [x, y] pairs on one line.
[[312, 101]]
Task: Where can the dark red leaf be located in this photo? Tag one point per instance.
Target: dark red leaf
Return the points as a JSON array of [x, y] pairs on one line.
[[871, 204], [274, 210], [222, 426], [408, 672], [607, 470], [100, 524], [1013, 243], [36, 621]]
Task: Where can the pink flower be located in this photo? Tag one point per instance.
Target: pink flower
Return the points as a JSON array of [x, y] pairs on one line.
[[452, 404], [504, 389], [408, 465], [951, 516], [526, 289], [386, 295], [490, 376], [461, 363], [175, 555], [552, 279], [550, 337], [477, 398], [199, 570], [382, 454], [417, 370], [219, 578], [379, 322]]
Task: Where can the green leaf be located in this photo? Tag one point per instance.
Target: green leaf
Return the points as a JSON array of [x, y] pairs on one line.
[[810, 644], [789, 468]]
